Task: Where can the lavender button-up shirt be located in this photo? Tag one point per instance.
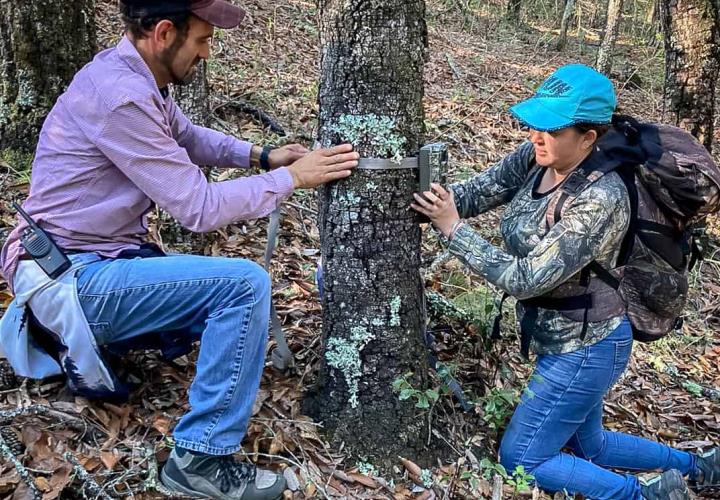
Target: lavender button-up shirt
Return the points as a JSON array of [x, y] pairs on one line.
[[112, 145]]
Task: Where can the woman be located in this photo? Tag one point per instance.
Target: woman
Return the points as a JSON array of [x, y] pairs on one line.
[[577, 362]]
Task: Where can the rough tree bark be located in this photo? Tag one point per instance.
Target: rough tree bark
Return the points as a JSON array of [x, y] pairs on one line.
[[43, 43], [603, 63], [193, 100], [193, 97], [371, 89], [692, 63], [564, 23], [513, 10]]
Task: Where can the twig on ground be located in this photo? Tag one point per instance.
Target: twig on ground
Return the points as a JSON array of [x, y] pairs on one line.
[[497, 491], [22, 471], [90, 486], [691, 386], [152, 482], [258, 114]]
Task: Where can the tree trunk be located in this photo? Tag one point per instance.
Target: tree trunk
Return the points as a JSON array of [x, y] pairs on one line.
[[603, 63], [193, 97], [43, 43], [193, 100], [513, 10], [692, 63], [371, 88], [564, 22]]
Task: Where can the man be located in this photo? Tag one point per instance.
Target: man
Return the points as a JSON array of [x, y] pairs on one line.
[[114, 144]]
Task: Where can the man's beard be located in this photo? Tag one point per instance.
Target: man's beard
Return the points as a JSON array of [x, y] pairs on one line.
[[168, 56]]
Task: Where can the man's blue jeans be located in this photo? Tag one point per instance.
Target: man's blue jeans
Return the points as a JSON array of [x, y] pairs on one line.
[[563, 408], [224, 302]]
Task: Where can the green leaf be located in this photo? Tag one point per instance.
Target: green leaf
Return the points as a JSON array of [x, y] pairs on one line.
[[406, 394], [432, 395], [422, 401]]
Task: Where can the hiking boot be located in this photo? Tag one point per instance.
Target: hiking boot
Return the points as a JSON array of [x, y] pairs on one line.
[[220, 477], [708, 465], [670, 485]]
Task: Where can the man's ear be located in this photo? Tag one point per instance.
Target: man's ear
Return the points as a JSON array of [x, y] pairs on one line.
[[164, 33]]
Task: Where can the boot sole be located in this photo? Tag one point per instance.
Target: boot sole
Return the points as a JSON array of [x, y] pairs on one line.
[[178, 488]]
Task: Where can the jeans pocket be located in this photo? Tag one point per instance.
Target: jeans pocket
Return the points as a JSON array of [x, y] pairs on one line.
[[623, 350]]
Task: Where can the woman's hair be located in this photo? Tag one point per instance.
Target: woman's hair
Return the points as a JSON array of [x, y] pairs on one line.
[[582, 128], [139, 26], [600, 129]]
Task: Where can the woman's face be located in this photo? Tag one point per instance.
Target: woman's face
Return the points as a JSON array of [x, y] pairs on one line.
[[562, 149]]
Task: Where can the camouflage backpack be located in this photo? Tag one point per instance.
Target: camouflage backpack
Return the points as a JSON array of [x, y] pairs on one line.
[[672, 183]]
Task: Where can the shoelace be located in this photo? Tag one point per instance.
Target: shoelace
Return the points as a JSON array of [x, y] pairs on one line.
[[233, 473]]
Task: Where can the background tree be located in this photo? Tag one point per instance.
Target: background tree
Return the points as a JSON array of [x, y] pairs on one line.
[[43, 43], [565, 22], [193, 98], [603, 63], [692, 63], [513, 10], [371, 91], [194, 101]]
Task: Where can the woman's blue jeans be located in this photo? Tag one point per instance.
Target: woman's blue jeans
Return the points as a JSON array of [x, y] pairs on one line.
[[223, 302], [563, 407]]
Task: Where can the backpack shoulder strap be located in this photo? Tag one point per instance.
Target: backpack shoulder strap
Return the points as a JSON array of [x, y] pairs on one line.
[[569, 190]]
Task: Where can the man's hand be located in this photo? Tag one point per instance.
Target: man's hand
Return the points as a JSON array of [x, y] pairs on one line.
[[286, 155], [323, 165], [439, 205]]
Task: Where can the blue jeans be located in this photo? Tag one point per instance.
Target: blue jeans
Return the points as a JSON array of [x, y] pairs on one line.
[[563, 408], [223, 302]]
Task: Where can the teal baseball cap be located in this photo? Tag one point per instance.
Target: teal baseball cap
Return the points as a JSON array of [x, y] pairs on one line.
[[573, 94]]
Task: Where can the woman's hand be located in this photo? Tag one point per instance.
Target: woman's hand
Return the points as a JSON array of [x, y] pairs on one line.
[[439, 205]]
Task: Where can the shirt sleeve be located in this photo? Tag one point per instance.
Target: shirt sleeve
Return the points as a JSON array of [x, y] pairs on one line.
[[592, 225], [137, 141], [495, 186], [205, 146]]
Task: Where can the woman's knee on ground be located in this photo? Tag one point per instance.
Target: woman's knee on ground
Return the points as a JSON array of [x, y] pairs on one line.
[[512, 455], [587, 449]]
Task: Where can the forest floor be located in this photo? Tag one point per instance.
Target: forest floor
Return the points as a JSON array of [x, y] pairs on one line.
[[478, 66]]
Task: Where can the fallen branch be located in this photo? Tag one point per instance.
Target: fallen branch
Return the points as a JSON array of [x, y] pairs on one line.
[[89, 484], [258, 114], [691, 386], [8, 415], [497, 491], [152, 482], [22, 471]]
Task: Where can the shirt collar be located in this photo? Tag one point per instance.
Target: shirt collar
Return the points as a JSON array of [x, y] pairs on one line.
[[130, 55]]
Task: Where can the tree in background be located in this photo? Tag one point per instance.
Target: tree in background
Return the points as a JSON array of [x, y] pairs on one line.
[[193, 98], [692, 64], [513, 10], [371, 90], [43, 43], [603, 63], [564, 22]]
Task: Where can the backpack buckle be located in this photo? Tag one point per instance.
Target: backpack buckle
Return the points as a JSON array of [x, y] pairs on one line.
[[575, 183]]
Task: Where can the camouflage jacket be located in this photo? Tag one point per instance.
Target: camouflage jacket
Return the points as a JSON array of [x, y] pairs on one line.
[[536, 260]]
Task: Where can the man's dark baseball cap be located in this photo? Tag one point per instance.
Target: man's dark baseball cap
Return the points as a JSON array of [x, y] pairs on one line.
[[219, 13]]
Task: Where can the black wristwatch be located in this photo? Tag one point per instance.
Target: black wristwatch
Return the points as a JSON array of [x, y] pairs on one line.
[[265, 157]]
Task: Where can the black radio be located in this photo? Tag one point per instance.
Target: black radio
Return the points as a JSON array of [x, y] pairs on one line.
[[42, 248]]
